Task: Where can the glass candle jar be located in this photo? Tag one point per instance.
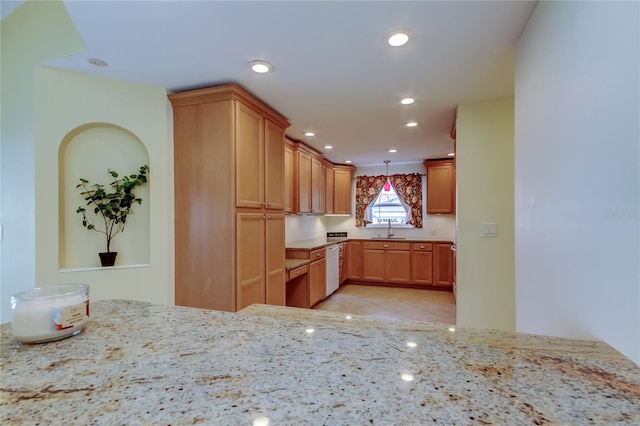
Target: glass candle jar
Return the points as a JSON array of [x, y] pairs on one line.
[[50, 313]]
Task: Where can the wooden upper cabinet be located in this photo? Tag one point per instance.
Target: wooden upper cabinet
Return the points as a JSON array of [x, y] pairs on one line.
[[259, 160], [249, 157], [274, 169], [288, 179], [304, 182], [441, 187], [328, 206], [317, 186], [342, 184]]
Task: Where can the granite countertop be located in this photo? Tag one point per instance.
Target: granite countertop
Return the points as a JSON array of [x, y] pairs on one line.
[[317, 243], [294, 263], [138, 363], [314, 243]]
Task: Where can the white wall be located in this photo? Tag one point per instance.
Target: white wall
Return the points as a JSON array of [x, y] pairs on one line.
[[32, 33], [485, 277], [577, 173]]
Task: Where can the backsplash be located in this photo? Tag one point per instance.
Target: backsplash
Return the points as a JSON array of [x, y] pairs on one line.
[[298, 228]]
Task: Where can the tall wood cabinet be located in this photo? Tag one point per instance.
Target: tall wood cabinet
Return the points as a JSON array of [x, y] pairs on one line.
[[229, 167]]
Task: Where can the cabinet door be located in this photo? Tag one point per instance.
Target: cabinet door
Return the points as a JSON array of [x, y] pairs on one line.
[[288, 180], [443, 265], [373, 265], [304, 182], [422, 267], [249, 157], [274, 166], [317, 281], [328, 205], [342, 181], [250, 259], [275, 273], [317, 187], [397, 266], [441, 188], [354, 260]]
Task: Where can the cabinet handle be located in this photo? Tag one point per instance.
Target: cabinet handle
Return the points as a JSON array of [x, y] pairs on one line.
[[422, 247], [386, 246], [268, 216], [299, 272], [268, 204], [318, 254], [262, 203]]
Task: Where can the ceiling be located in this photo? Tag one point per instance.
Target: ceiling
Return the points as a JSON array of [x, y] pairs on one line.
[[333, 73]]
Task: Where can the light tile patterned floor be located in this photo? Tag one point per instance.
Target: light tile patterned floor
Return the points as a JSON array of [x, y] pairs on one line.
[[393, 303]]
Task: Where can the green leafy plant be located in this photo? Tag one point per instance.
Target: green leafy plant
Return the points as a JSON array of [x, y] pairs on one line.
[[112, 207]]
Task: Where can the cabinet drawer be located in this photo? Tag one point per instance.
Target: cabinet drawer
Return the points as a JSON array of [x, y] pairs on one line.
[[300, 270], [384, 245], [422, 246], [317, 254]]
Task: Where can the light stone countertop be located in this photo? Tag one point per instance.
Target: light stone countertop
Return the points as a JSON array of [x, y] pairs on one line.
[[316, 243], [290, 264], [138, 363]]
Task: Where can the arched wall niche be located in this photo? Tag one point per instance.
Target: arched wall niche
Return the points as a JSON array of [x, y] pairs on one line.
[[88, 152]]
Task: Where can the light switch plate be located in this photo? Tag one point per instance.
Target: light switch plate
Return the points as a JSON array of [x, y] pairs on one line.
[[489, 230]]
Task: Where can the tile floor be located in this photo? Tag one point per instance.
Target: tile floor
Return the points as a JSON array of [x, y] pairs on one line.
[[393, 303]]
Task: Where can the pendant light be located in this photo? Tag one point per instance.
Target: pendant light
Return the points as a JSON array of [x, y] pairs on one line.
[[387, 184]]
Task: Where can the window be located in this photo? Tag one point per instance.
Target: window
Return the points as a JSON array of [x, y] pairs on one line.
[[388, 207]]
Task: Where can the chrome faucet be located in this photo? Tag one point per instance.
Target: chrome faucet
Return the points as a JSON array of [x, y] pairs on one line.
[[389, 231]]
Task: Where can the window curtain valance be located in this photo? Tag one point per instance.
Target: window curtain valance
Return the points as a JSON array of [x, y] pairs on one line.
[[407, 186], [367, 189], [409, 189]]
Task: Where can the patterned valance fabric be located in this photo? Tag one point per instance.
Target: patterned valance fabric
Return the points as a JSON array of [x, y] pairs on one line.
[[408, 187], [367, 189]]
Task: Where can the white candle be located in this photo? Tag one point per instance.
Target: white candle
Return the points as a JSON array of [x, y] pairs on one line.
[[50, 313]]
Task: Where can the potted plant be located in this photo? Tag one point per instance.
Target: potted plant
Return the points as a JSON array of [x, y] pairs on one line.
[[112, 207]]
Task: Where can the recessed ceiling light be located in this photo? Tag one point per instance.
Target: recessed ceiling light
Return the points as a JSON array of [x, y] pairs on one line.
[[451, 154], [393, 150], [398, 38], [309, 134], [411, 124], [328, 147], [347, 161], [261, 67], [98, 62], [407, 101]]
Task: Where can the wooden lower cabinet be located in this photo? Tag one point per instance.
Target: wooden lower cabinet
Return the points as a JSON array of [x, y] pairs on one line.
[[422, 267], [416, 263], [275, 285], [250, 259], [260, 259], [397, 266], [354, 260], [387, 262], [373, 264], [443, 265], [317, 281]]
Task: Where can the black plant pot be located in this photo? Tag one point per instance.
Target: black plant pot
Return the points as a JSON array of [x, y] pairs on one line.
[[108, 258]]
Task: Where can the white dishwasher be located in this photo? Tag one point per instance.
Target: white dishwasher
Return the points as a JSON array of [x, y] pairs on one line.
[[333, 265]]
